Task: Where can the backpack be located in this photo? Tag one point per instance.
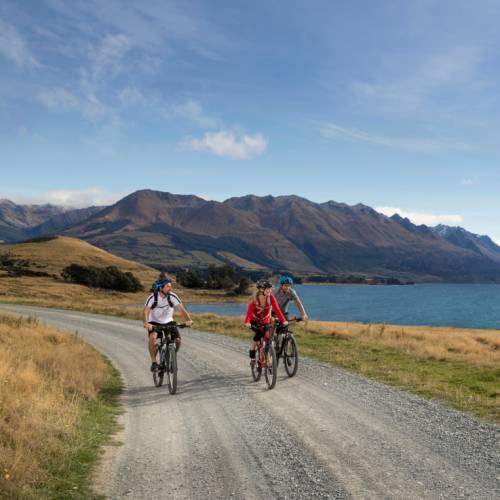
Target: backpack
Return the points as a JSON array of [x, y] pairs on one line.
[[155, 288]]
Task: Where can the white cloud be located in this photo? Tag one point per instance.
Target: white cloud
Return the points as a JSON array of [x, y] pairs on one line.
[[497, 241], [225, 143], [14, 47], [422, 218], [69, 198], [419, 144]]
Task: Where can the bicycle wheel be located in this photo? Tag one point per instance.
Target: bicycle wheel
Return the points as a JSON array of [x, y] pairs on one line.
[[158, 375], [290, 356], [270, 366], [172, 370], [256, 369]]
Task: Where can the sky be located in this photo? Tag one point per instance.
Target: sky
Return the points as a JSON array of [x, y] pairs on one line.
[[391, 104]]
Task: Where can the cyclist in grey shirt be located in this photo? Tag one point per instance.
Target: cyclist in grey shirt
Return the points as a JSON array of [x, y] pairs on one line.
[[285, 294]]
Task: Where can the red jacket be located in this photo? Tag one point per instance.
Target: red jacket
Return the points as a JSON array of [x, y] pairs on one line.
[[259, 310]]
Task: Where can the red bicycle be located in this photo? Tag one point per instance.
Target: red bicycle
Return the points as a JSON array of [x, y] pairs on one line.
[[265, 358]]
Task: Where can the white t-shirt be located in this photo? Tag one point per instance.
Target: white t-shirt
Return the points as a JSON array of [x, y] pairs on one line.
[[163, 312]]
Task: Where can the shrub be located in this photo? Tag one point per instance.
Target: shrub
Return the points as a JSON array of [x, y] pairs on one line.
[[108, 277]]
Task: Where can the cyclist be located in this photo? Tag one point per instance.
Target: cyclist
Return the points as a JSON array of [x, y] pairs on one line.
[[159, 311], [259, 313], [285, 294]]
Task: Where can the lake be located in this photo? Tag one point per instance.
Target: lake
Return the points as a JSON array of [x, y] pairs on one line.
[[468, 306]]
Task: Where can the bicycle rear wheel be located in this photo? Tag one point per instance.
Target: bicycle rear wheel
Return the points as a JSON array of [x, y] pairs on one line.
[[172, 370], [290, 356], [270, 366]]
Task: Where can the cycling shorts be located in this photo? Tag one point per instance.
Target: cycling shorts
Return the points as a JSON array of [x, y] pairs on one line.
[[174, 331], [261, 332]]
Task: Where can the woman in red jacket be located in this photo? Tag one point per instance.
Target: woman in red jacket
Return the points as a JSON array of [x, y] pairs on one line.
[[259, 313]]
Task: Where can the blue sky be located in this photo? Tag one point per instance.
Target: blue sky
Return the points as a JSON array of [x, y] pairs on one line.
[[392, 104]]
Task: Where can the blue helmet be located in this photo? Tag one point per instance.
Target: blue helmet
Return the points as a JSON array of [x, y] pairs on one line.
[[286, 280], [160, 283]]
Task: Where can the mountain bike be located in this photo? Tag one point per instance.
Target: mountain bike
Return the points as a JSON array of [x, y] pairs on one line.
[[265, 358], [165, 341], [286, 347]]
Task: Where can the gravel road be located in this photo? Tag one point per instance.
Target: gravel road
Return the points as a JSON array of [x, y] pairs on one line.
[[326, 433]]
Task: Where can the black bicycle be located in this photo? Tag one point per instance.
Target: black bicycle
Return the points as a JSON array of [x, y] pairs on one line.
[[286, 347], [265, 358], [167, 353]]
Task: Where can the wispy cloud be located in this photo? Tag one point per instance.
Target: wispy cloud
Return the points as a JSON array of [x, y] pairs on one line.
[[14, 47], [407, 92], [192, 111], [75, 198], [467, 181], [225, 143], [418, 144], [421, 218]]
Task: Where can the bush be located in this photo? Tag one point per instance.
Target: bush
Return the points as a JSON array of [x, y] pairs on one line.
[[108, 277]]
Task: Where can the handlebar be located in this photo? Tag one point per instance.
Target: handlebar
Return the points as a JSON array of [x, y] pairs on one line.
[[160, 328]]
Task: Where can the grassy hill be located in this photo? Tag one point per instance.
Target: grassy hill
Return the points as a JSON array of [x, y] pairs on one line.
[[51, 256]]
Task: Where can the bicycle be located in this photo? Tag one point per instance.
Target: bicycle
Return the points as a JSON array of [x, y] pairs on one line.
[[266, 358], [287, 347], [165, 341]]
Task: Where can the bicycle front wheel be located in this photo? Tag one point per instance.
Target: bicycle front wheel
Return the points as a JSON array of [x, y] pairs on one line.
[[158, 375], [290, 356], [255, 366], [172, 370], [270, 366]]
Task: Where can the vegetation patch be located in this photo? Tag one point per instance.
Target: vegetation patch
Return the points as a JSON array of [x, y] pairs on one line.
[[109, 277], [58, 405], [213, 277]]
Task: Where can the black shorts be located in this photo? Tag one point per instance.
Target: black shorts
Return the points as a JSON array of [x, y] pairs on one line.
[[174, 331], [261, 332]]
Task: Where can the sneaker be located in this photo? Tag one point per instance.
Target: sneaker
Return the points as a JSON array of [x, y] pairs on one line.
[[154, 367]]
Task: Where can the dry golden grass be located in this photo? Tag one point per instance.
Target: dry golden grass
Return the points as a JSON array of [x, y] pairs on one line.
[[473, 346], [54, 255], [45, 375], [478, 347]]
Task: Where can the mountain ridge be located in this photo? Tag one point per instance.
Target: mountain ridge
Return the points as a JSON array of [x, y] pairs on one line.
[[284, 233]]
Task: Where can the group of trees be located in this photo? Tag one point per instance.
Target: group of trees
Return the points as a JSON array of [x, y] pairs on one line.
[[102, 277], [213, 277]]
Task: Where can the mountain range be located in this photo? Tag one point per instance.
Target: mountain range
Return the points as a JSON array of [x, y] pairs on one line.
[[280, 233]]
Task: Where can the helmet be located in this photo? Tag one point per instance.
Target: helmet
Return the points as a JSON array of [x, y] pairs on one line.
[[264, 283], [160, 283], [286, 280]]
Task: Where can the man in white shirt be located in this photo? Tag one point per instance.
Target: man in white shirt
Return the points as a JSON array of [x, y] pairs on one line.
[[159, 311]]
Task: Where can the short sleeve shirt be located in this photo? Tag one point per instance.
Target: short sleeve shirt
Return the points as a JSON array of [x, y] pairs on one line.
[[163, 312], [285, 298]]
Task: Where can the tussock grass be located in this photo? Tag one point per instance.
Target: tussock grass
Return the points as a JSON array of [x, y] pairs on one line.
[[460, 366], [50, 385]]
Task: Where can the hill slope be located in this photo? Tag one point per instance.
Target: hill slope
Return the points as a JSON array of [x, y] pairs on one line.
[[284, 232]]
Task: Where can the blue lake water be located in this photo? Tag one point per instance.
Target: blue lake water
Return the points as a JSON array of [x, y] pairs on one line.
[[472, 306]]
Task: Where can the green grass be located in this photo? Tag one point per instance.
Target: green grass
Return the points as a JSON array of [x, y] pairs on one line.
[[70, 475]]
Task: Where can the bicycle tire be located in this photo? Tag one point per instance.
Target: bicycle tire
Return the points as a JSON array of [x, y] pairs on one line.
[[270, 366], [172, 370], [158, 375], [291, 356], [256, 369]]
